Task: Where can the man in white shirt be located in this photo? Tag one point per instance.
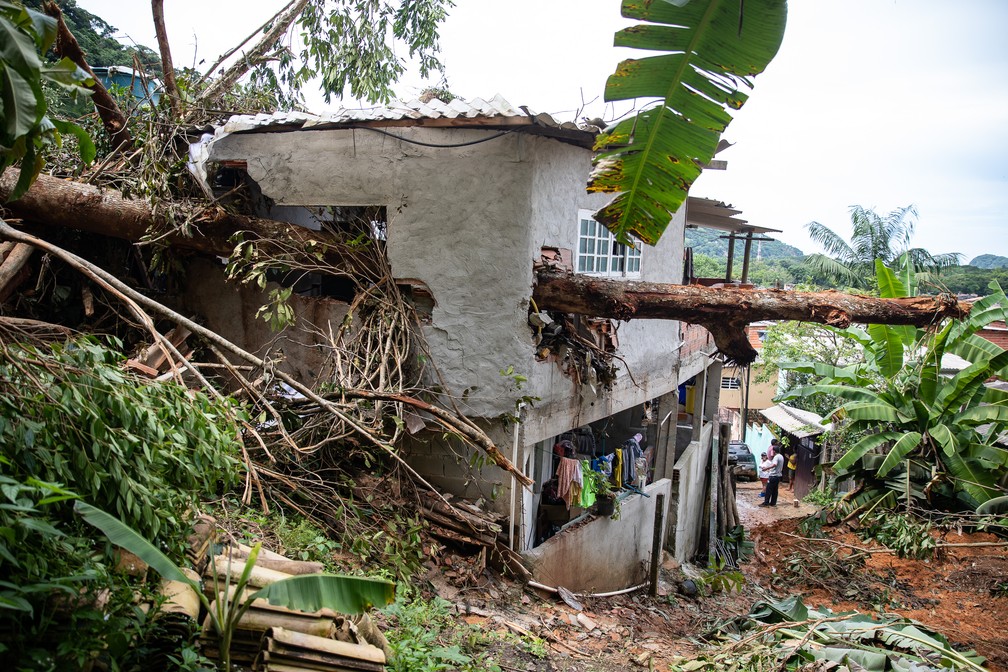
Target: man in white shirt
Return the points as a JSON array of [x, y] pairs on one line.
[[775, 473]]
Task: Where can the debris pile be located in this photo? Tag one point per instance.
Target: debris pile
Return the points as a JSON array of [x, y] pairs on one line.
[[477, 534]]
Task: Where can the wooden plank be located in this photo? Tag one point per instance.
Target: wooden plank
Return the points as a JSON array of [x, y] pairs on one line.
[[452, 535], [279, 637], [314, 660]]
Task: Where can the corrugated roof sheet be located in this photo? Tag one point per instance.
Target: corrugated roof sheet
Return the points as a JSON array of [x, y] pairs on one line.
[[794, 420], [483, 113]]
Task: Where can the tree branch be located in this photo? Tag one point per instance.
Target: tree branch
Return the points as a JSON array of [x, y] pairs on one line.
[[168, 70], [136, 299], [253, 55], [52, 201], [112, 117]]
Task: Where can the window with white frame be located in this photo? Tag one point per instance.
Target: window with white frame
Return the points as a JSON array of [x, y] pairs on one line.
[[600, 254], [730, 383]]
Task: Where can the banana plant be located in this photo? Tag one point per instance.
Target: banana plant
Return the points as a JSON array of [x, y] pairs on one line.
[[345, 594], [924, 434], [713, 49]]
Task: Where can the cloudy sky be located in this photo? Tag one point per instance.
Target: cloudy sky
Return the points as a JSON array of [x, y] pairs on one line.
[[881, 103]]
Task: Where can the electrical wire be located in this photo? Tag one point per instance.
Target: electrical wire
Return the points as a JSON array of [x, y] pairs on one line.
[[431, 144]]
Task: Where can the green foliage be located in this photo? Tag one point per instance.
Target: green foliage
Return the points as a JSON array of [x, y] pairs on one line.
[[35, 556], [922, 435], [52, 578], [349, 45], [968, 280], [903, 533], [70, 414], [425, 636], [388, 540], [25, 129], [741, 548], [819, 497], [96, 39], [650, 159], [309, 593], [303, 540], [790, 342], [719, 580], [789, 635], [277, 312], [874, 237]]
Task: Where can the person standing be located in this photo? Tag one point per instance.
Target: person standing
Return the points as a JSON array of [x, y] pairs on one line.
[[764, 473], [792, 468], [776, 470]]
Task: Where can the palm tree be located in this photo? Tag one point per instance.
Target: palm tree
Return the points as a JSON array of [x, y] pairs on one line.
[[886, 238]]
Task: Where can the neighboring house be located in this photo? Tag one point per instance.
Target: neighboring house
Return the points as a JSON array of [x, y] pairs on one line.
[[472, 195], [798, 430], [996, 333], [125, 77], [740, 389]]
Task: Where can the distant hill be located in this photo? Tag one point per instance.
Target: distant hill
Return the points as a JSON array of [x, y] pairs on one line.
[[710, 242], [985, 261]]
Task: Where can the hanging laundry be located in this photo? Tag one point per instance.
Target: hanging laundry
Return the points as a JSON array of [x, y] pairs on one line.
[[632, 451], [569, 479], [617, 469], [603, 465], [587, 485]]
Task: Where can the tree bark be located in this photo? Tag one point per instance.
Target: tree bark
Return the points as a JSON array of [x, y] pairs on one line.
[[66, 46], [726, 311], [53, 201], [167, 68]]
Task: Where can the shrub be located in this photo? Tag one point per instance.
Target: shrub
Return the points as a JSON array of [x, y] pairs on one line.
[[146, 450]]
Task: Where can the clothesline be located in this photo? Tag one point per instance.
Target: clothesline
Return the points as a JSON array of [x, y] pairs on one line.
[[575, 482]]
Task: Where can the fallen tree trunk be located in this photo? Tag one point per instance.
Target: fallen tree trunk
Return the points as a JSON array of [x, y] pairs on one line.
[[725, 311], [52, 201]]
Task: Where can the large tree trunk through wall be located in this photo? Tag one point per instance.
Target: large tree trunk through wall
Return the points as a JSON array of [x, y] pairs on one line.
[[56, 202], [726, 311]]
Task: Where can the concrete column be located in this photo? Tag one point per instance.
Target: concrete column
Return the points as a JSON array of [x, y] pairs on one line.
[[699, 403], [666, 413], [712, 398]]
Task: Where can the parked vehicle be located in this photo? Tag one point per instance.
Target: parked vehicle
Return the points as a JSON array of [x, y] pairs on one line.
[[741, 459]]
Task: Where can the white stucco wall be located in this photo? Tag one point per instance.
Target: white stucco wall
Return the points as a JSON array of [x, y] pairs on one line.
[[468, 221]]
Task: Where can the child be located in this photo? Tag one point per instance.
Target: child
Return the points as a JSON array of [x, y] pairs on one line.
[[763, 475]]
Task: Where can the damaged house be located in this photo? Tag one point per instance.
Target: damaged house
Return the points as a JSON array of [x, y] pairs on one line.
[[465, 199]]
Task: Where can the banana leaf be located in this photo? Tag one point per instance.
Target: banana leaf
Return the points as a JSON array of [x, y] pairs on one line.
[[345, 594], [899, 451], [651, 159], [873, 411], [862, 447]]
